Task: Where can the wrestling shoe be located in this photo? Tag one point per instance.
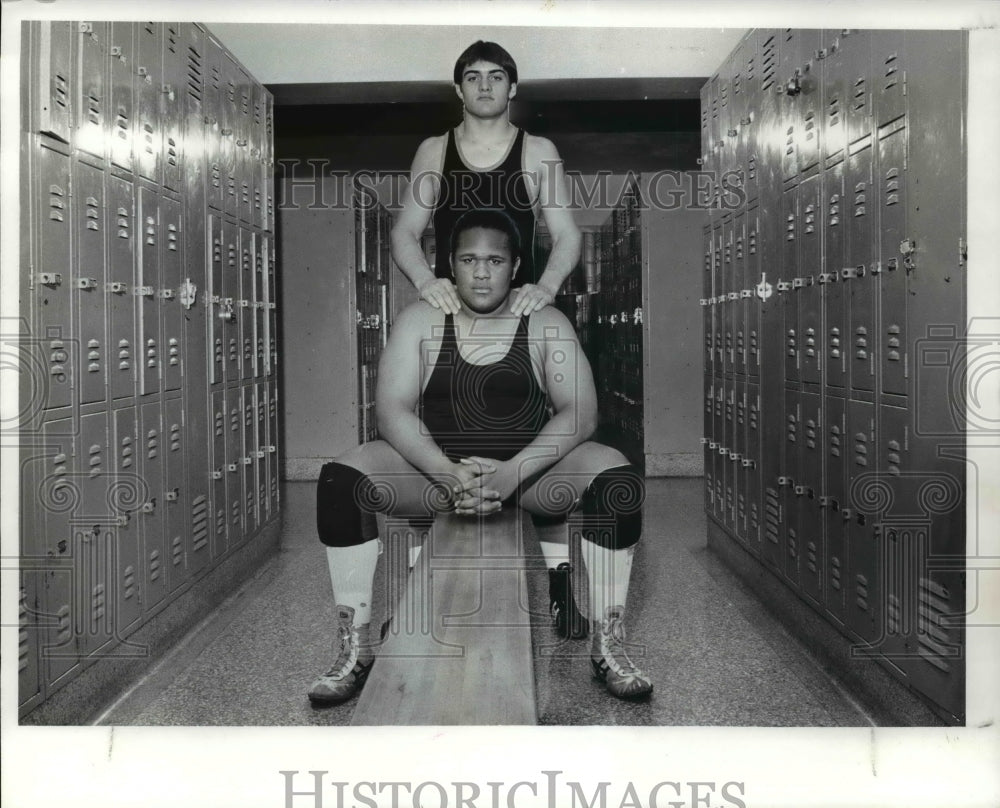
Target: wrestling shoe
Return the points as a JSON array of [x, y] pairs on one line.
[[610, 662], [349, 671], [566, 617]]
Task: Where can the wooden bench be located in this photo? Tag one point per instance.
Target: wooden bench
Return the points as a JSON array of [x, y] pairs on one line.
[[458, 650]]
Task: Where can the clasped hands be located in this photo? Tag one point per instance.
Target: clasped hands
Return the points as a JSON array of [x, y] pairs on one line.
[[479, 485]]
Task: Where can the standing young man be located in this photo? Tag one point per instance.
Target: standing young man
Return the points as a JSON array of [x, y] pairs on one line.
[[486, 162]]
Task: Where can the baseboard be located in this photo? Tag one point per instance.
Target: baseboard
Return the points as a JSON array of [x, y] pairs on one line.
[[105, 676]]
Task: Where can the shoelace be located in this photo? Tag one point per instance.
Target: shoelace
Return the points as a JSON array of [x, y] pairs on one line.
[[348, 656], [612, 647]]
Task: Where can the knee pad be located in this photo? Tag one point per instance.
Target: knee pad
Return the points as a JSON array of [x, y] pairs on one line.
[[346, 502], [539, 520], [610, 512]]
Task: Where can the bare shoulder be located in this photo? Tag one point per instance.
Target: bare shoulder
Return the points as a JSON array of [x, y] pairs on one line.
[[550, 323], [417, 320], [429, 153], [538, 150]]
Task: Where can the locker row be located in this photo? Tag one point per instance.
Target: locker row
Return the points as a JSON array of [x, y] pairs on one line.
[[161, 101], [114, 289], [788, 103], [122, 508]]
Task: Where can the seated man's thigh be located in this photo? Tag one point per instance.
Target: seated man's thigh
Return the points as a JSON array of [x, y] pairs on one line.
[[398, 487], [555, 491]]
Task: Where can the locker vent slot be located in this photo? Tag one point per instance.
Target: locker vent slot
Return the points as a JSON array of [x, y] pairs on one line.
[[56, 203], [861, 592], [833, 111], [750, 68], [791, 428], [893, 615], [64, 628], [236, 513], [737, 81], [96, 459], [772, 515], [171, 39], [860, 94], [97, 605], [194, 73], [861, 449], [23, 646], [768, 63], [199, 523], [793, 543], [155, 566], [216, 77], [934, 635], [177, 550], [152, 444], [172, 155], [220, 521], [231, 92], [60, 91], [128, 582], [126, 454], [835, 573], [94, 109], [724, 96], [175, 438], [754, 520]]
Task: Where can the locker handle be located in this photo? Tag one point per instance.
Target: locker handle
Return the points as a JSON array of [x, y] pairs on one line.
[[144, 291], [749, 464], [86, 283], [116, 287], [173, 495], [232, 467], [746, 293], [259, 454], [216, 475], [247, 461], [226, 132], [272, 449], [50, 278], [166, 294], [149, 507]]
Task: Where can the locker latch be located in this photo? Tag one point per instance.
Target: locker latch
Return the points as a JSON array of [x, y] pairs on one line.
[[117, 287], [216, 475], [86, 283], [244, 304], [226, 309], [749, 464], [827, 277], [247, 460], [784, 286], [746, 293], [907, 247], [50, 278], [149, 507], [232, 467], [166, 294], [144, 291], [188, 293], [259, 454], [733, 296], [783, 481], [173, 495], [764, 289], [121, 520], [272, 449], [734, 456]]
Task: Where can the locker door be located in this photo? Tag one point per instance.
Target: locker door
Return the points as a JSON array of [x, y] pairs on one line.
[[808, 489], [215, 121], [889, 73], [263, 312], [148, 88], [59, 494], [752, 272], [92, 544], [718, 284], [146, 292], [90, 292], [751, 468], [171, 258], [865, 594], [726, 306], [728, 459], [894, 275], [28, 636], [721, 450], [172, 105], [247, 460], [836, 86], [739, 304], [712, 156], [770, 145], [54, 276], [709, 441], [220, 475], [736, 461], [738, 121], [230, 117], [810, 265], [272, 308], [234, 465], [216, 294], [708, 307], [835, 504], [230, 323], [791, 83], [834, 287], [132, 492], [53, 107], [727, 138], [858, 272], [175, 492], [243, 159], [92, 120], [121, 283], [787, 297], [791, 504], [272, 446], [259, 453], [255, 163], [121, 92], [193, 126], [246, 311], [855, 55], [151, 513]]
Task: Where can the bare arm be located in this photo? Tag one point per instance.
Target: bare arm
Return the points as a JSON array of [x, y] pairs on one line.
[[545, 171], [418, 202]]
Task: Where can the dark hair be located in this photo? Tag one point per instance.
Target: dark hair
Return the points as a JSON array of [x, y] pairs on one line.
[[486, 52], [488, 219]]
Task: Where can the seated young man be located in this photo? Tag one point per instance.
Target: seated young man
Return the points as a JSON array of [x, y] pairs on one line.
[[476, 410]]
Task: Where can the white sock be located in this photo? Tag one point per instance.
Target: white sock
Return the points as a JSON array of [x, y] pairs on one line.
[[555, 553], [608, 573], [352, 570]]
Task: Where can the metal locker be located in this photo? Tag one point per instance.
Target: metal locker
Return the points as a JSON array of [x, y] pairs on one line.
[[259, 306], [752, 274], [272, 307], [791, 534], [219, 311], [708, 304], [131, 493], [789, 90], [808, 490], [150, 345], [230, 314], [246, 314], [894, 259], [736, 136], [750, 467], [834, 504], [726, 303], [244, 202], [193, 125], [53, 274], [172, 103], [52, 110], [28, 636], [219, 520], [151, 517], [855, 57], [256, 154], [258, 451], [264, 316], [836, 343], [216, 120], [709, 441], [737, 301], [230, 119], [805, 283], [718, 284], [234, 465], [90, 294], [889, 74], [148, 88], [91, 126], [726, 141], [858, 268], [834, 94], [864, 551], [169, 292], [721, 450], [59, 495], [769, 123], [273, 439], [706, 118], [93, 544], [787, 300], [736, 456], [175, 492], [121, 92], [248, 460], [728, 453], [712, 158]]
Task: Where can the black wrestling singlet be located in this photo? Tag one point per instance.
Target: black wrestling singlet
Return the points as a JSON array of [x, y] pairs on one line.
[[492, 410], [503, 186]]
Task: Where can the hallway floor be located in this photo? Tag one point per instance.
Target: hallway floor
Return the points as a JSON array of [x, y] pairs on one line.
[[716, 656]]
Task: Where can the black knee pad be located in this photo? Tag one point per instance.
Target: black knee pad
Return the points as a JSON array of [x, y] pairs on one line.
[[542, 520], [610, 513], [346, 503]]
